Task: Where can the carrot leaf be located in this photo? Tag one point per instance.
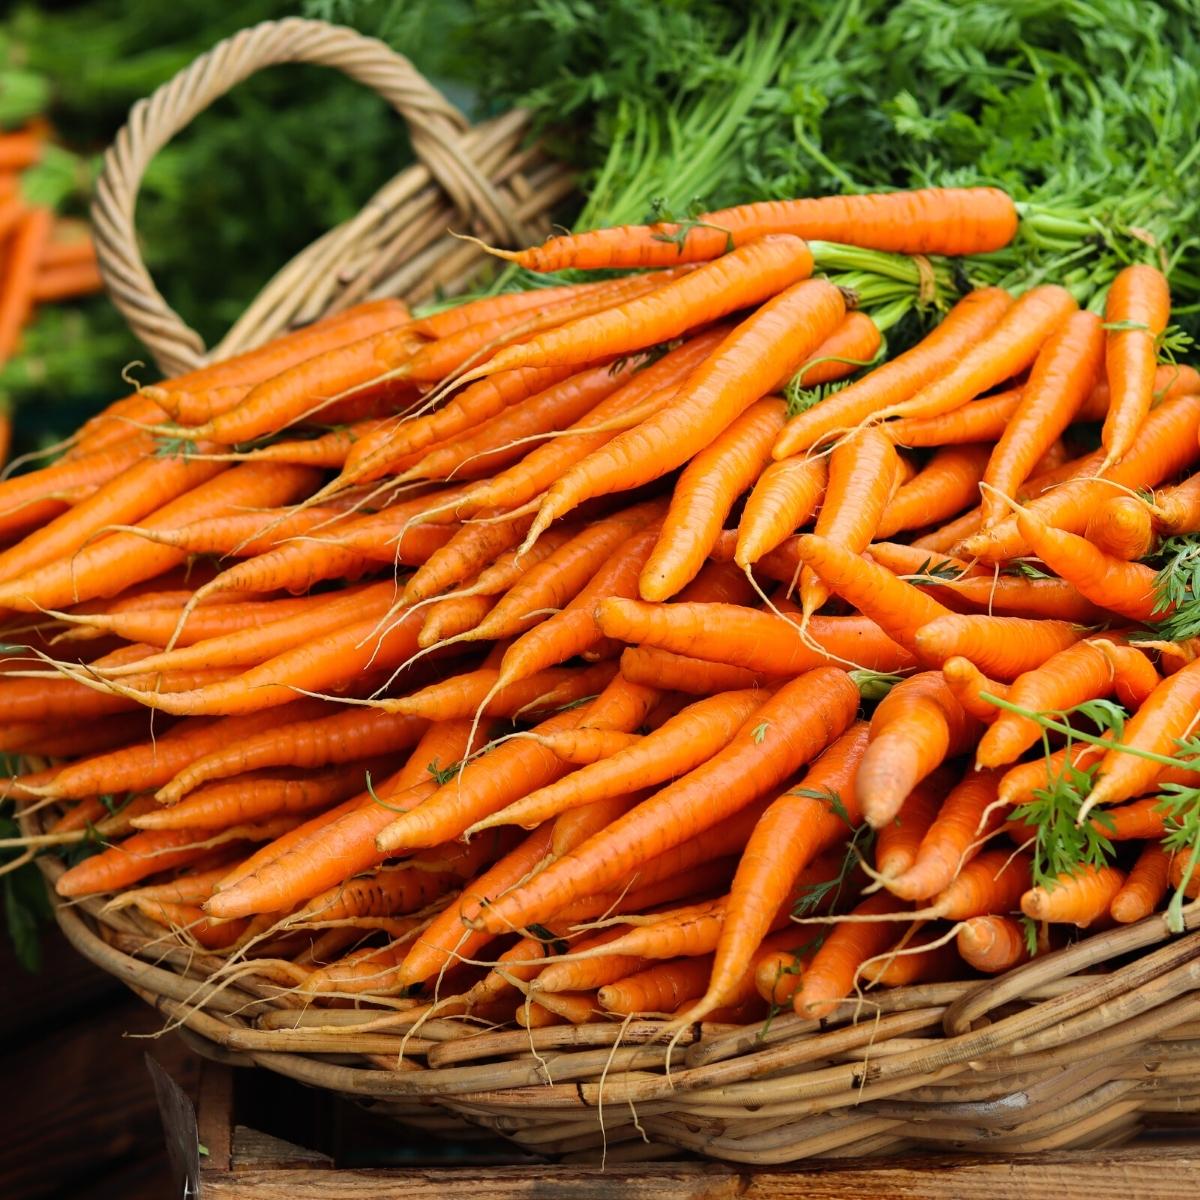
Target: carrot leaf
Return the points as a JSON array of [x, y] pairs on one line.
[[1029, 927]]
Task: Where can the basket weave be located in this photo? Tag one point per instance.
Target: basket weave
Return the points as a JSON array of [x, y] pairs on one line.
[[484, 181], [1081, 1049]]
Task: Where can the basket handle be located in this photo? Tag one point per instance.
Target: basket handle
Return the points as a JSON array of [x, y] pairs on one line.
[[435, 128]]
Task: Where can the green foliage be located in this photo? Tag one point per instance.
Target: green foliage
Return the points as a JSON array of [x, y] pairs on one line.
[[1178, 584], [25, 901]]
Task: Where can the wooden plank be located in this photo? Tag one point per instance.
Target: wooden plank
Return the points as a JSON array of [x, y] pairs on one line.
[[214, 1114], [255, 1151], [1142, 1174]]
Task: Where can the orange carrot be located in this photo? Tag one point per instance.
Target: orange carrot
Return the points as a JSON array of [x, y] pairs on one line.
[[67, 282], [992, 944], [1078, 899], [784, 498], [1122, 527], [948, 484], [928, 221], [20, 272], [789, 729], [1001, 646], [1010, 347], [968, 684], [862, 477], [682, 743], [897, 841], [1136, 312], [830, 977], [898, 380], [915, 727], [757, 356], [749, 639], [704, 495], [955, 836], [1063, 375], [1144, 887], [694, 676]]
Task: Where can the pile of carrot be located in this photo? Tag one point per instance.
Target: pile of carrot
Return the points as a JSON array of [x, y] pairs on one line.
[[553, 657], [44, 259]]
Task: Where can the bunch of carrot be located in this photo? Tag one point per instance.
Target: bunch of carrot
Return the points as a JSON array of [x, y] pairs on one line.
[[455, 658], [43, 259]]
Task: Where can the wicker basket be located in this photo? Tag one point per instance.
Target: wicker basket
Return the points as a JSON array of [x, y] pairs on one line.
[[1079, 1049], [484, 181]]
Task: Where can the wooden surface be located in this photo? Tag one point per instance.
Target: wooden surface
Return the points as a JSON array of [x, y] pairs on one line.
[[1160, 1174], [80, 1114]]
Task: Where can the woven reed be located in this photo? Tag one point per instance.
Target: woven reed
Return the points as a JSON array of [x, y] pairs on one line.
[[1083, 1048], [484, 181]]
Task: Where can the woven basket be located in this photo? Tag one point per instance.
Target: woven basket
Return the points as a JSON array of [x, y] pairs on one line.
[[484, 181], [1082, 1048]]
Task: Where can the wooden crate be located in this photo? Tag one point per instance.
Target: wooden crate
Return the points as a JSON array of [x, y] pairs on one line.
[[239, 1114]]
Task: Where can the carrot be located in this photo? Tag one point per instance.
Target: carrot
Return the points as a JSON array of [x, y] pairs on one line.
[[143, 854], [777, 973], [325, 614], [1167, 714], [561, 576], [1079, 899], [1001, 646], [993, 881], [305, 743], [899, 608], [1018, 784], [622, 705], [20, 149], [449, 355], [189, 923], [1166, 444], [694, 676], [981, 421], [500, 440], [705, 494], [970, 320], [923, 959], [385, 892], [151, 763], [792, 832], [338, 848], [947, 485], [648, 389], [1122, 527], [862, 477], [1015, 596], [1185, 873], [1008, 348], [1078, 673], [69, 244], [1144, 887], [967, 684], [192, 887], [790, 728], [156, 626], [758, 355], [1127, 588], [830, 976], [929, 221], [449, 935], [1136, 311], [25, 248], [1177, 509], [573, 631], [749, 639], [679, 745], [915, 727], [992, 944], [110, 565], [582, 747], [955, 836], [897, 842], [325, 663], [254, 797], [53, 740], [1134, 676], [573, 827], [1064, 373], [659, 989], [67, 282], [458, 317], [482, 787], [784, 498]]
